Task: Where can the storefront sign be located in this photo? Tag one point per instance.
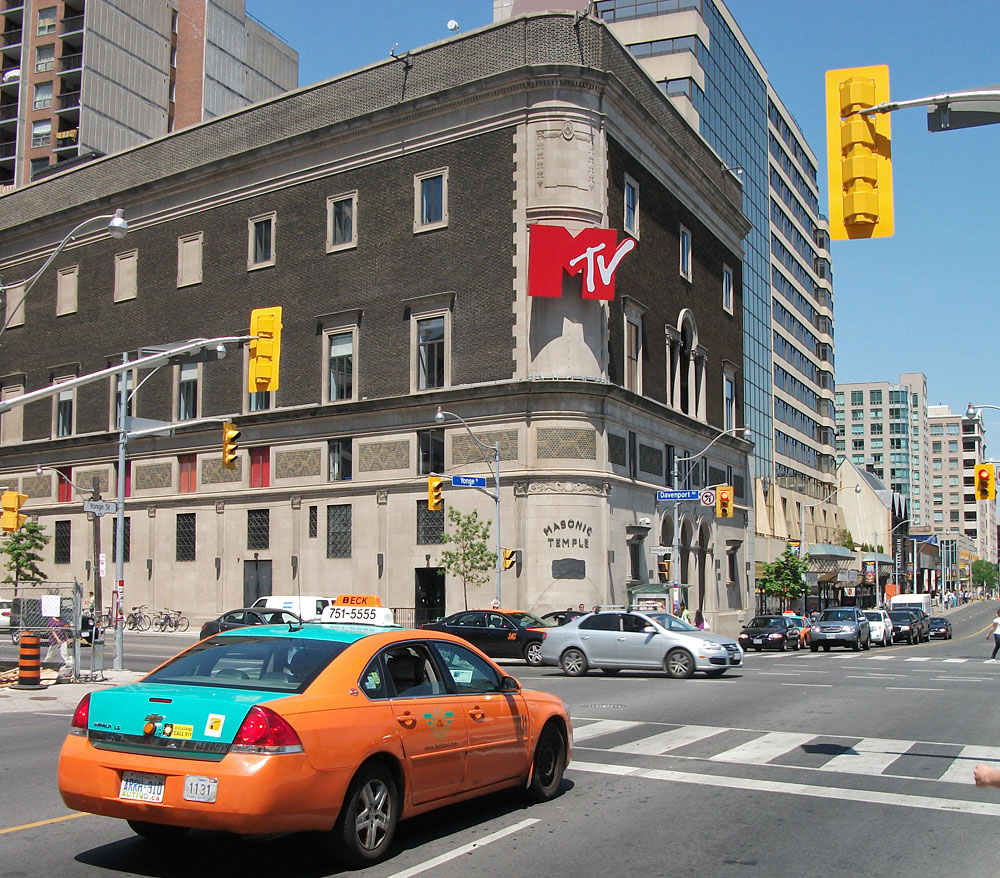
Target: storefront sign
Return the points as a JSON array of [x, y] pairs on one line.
[[594, 252], [568, 533], [869, 571]]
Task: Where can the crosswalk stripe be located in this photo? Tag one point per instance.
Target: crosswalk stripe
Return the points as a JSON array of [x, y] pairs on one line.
[[918, 658], [960, 771], [602, 727], [880, 658], [763, 749], [954, 661], [868, 756], [663, 742]]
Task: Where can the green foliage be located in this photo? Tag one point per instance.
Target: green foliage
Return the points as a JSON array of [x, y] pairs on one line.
[[22, 550], [985, 573], [842, 537], [471, 558], [784, 578]]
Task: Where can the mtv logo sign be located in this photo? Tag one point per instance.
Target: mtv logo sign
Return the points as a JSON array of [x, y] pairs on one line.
[[593, 252]]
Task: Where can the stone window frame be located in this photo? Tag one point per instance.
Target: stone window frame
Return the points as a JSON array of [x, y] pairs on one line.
[[126, 276], [424, 308], [339, 441], [199, 389], [190, 259], [12, 420], [418, 181], [331, 202], [14, 305], [67, 290], [727, 288], [270, 217], [56, 399], [133, 383], [633, 314], [328, 334], [266, 399], [730, 409], [633, 230], [685, 251]]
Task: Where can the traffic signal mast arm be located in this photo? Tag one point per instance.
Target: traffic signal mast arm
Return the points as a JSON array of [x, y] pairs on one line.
[[955, 97]]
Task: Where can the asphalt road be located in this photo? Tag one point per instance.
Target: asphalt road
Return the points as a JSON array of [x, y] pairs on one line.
[[834, 763]]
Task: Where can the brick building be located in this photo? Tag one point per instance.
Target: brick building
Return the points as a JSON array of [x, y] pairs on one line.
[[389, 212]]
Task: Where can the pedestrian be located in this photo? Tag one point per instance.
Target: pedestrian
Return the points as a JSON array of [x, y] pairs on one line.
[[581, 608], [494, 604], [700, 622], [58, 644], [995, 631], [597, 608], [685, 615]]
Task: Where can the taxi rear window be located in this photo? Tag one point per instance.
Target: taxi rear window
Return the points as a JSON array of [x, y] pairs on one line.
[[268, 664]]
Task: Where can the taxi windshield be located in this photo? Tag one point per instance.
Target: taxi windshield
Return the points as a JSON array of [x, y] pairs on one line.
[[269, 664], [526, 620]]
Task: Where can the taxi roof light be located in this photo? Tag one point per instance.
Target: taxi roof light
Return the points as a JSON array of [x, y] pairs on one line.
[[78, 725], [264, 731]]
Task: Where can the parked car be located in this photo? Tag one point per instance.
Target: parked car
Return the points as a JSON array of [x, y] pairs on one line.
[[616, 639], [770, 632], [498, 633], [881, 627], [940, 627], [5, 606], [561, 617], [918, 624], [249, 616], [305, 606], [840, 626], [905, 626]]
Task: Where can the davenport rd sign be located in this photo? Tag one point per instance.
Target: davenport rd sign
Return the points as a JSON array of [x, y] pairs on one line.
[[596, 253], [568, 533]]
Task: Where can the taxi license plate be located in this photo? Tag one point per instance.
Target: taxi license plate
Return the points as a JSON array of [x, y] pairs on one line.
[[142, 787], [200, 789], [758, 640]]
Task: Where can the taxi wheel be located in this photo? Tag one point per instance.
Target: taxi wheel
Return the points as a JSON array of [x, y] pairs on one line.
[[156, 831], [367, 822], [574, 662], [533, 653], [548, 766]]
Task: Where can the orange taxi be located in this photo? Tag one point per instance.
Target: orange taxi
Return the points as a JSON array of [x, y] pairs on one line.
[[339, 727]]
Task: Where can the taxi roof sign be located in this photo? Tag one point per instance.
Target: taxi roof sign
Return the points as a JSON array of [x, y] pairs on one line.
[[354, 614], [357, 600]]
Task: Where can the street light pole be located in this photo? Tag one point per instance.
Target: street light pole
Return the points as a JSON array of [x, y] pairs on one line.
[[439, 417], [119, 534]]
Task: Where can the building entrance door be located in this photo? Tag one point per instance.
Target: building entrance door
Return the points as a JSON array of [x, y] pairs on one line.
[[256, 580], [429, 594]]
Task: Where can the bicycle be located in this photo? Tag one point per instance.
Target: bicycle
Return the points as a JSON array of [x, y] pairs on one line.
[[137, 620], [171, 620]]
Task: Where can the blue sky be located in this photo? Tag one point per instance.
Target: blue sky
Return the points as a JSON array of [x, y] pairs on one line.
[[923, 300]]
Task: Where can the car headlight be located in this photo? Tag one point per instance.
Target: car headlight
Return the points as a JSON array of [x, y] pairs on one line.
[[815, 629], [711, 644], [904, 627], [776, 636]]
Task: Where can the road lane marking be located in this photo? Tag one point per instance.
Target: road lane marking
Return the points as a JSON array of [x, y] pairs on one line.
[[954, 661], [918, 658], [762, 750], [965, 760], [42, 823], [781, 673], [815, 685], [756, 785], [963, 679], [655, 745], [914, 689], [464, 849], [868, 756], [603, 727], [869, 676]]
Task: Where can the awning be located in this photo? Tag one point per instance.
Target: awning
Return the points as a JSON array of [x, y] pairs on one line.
[[828, 550]]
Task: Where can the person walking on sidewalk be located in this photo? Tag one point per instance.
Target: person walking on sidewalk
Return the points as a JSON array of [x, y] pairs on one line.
[[995, 631]]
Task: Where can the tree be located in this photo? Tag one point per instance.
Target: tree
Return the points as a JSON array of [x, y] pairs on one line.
[[784, 578], [842, 537], [22, 550], [985, 573], [471, 558]]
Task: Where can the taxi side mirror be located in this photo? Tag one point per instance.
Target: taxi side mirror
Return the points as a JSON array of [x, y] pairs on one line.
[[649, 629], [509, 684]]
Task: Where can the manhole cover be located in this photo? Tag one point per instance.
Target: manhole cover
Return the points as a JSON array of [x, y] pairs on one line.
[[44, 698], [605, 706]]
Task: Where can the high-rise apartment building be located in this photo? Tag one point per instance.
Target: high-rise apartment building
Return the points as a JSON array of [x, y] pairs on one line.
[[884, 424], [695, 51], [91, 77]]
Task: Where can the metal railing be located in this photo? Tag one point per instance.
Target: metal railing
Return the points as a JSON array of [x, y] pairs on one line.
[[10, 38], [69, 101]]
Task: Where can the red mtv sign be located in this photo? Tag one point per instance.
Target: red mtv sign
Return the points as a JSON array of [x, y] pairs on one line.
[[594, 252]]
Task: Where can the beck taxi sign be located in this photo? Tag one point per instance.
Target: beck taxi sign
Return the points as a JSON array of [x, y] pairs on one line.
[[358, 609]]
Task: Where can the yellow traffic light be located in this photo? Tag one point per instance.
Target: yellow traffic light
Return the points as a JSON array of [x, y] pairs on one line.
[[11, 519], [858, 153], [509, 558], [986, 488], [265, 349], [230, 434], [663, 569], [724, 501], [435, 493]]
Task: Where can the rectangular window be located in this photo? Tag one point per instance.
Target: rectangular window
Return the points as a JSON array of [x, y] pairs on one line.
[[430, 524], [875, 397], [62, 542], [189, 249], [857, 397], [43, 96], [631, 206], [46, 21], [14, 312], [259, 401], [341, 221], [45, 58], [727, 288], [430, 192], [729, 401], [685, 253], [260, 248], [41, 133], [66, 285], [126, 541], [126, 275], [64, 484], [430, 353], [64, 413], [185, 544], [260, 467], [340, 354], [633, 340], [341, 466], [430, 452], [338, 531], [116, 390], [313, 522], [187, 392], [187, 471], [258, 528]]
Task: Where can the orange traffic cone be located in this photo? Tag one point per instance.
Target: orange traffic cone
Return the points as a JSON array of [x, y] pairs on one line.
[[29, 665]]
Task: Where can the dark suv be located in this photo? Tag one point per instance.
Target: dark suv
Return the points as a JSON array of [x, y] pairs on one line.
[[840, 626], [911, 626]]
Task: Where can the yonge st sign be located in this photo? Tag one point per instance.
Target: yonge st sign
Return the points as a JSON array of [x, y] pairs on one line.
[[595, 253]]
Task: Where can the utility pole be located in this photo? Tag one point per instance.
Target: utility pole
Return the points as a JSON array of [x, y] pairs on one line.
[[98, 594]]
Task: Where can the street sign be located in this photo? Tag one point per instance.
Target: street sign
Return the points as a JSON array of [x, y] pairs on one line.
[[677, 495], [469, 481], [708, 497], [662, 550], [100, 507]]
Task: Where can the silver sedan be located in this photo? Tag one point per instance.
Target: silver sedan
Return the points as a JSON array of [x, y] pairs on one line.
[[616, 639]]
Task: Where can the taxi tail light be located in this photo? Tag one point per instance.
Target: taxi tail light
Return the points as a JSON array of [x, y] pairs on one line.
[[264, 731], [78, 725]]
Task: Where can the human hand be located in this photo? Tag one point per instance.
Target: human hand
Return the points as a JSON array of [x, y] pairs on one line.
[[986, 776]]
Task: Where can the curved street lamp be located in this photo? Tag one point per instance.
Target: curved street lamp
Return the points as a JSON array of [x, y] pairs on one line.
[[117, 228]]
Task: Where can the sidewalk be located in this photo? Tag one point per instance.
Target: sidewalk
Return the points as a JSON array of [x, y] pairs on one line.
[[59, 697]]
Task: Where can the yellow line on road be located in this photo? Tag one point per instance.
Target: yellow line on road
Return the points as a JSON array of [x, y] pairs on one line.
[[41, 823]]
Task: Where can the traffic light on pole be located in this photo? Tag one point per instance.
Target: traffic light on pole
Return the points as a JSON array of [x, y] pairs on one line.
[[509, 558], [858, 153], [435, 493], [986, 488], [229, 448], [11, 518], [724, 501], [265, 349], [663, 568]]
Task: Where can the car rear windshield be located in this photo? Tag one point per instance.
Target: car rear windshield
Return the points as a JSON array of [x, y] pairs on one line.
[[837, 616], [270, 664], [767, 622], [526, 620], [873, 616], [901, 616], [938, 620]]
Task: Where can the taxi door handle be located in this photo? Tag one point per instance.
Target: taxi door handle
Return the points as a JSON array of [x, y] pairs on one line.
[[406, 719], [477, 714], [620, 639]]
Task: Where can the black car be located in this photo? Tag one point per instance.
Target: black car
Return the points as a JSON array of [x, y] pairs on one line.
[[498, 633], [561, 617], [908, 626], [249, 616], [940, 627], [769, 632]]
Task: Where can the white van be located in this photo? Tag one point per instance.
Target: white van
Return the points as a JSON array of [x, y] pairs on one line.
[[911, 602], [306, 606]]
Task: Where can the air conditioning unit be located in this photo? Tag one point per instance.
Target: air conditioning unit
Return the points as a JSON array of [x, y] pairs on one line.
[[12, 75]]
